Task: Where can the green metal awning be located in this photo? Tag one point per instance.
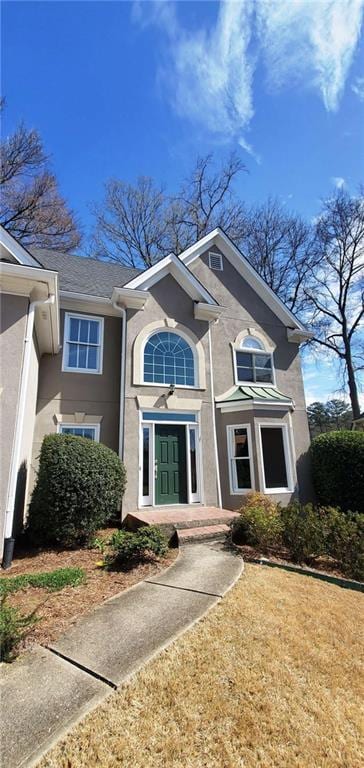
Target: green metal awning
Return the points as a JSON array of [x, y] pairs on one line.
[[255, 394]]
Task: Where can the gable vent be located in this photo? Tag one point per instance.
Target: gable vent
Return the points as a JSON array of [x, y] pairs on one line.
[[215, 261]]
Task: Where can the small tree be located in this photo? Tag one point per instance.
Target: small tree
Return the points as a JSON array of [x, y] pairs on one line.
[[325, 417], [32, 209]]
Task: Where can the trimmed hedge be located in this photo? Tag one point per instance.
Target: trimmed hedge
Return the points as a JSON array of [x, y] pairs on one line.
[[79, 487], [338, 469]]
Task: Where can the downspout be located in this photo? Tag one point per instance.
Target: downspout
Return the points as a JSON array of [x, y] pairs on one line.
[[122, 311], [213, 411], [9, 540]]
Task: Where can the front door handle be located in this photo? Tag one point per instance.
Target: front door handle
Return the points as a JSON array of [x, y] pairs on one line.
[[155, 469]]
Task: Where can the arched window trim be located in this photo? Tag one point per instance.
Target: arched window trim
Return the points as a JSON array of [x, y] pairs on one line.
[[168, 325], [181, 335]]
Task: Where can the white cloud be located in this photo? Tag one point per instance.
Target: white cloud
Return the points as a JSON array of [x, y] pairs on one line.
[[358, 87], [250, 150], [338, 182], [210, 70], [310, 42]]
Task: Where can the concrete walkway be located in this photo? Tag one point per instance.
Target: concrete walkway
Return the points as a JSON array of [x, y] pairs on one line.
[[44, 694]]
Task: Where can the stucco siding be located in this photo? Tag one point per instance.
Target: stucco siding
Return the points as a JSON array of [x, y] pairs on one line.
[[168, 301], [13, 322], [67, 393]]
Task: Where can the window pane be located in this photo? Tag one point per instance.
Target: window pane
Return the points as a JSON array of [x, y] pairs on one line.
[[145, 461], [89, 432], [243, 473], [92, 356], [72, 356], [82, 356], [263, 361], [273, 457], [84, 326], [245, 374], [240, 447], [244, 359], [193, 462], [94, 331], [262, 375], [251, 343], [74, 328]]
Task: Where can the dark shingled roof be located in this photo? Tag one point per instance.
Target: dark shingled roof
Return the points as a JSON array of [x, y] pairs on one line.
[[82, 275]]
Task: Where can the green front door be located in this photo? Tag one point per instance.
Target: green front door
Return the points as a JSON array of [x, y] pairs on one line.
[[170, 457]]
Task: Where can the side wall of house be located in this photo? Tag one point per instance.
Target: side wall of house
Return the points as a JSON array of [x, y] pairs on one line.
[[243, 310], [13, 322], [68, 393]]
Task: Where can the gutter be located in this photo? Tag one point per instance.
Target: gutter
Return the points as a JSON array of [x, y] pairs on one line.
[[9, 540], [217, 466]]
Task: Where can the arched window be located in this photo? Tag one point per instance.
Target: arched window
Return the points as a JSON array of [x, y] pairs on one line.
[[251, 342], [252, 362], [169, 359]]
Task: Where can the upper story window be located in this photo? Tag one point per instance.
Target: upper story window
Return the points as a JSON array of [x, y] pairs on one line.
[[83, 343], [169, 359], [253, 364]]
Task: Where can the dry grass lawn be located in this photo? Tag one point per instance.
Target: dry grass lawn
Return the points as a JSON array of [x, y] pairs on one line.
[[271, 677]]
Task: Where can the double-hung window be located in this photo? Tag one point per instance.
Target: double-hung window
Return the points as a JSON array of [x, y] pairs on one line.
[[91, 431], [83, 343], [253, 364], [241, 471], [275, 454]]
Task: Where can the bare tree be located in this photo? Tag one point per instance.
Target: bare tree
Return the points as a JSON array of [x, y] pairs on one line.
[[336, 290], [32, 208], [139, 224], [131, 223], [207, 200], [279, 245]]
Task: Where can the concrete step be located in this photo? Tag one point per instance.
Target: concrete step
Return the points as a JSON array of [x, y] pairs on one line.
[[181, 525], [202, 533]]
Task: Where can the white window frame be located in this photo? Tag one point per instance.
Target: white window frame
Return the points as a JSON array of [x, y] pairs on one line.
[[96, 427], [78, 316], [216, 256], [192, 498], [176, 332], [234, 490], [250, 351], [287, 456]]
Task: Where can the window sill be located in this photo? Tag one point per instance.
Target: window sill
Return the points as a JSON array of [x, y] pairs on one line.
[[81, 370], [168, 386], [271, 385], [278, 490]]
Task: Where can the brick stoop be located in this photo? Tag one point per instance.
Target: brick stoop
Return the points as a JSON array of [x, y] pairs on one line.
[[173, 521], [202, 533]]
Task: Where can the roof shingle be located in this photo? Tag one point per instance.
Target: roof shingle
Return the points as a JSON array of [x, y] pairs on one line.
[[81, 275]]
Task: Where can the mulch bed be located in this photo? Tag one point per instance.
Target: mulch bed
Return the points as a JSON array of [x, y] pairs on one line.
[[281, 556], [60, 610]]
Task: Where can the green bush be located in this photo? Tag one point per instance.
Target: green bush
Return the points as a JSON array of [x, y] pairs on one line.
[[345, 543], [338, 469], [125, 547], [305, 529], [79, 487], [51, 580], [14, 626], [259, 523]]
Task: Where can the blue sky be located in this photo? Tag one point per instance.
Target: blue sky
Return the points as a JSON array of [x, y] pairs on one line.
[[124, 89]]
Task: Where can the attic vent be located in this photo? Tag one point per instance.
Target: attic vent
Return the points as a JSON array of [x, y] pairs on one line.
[[215, 262]]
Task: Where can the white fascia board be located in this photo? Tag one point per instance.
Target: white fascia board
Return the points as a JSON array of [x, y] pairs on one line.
[[235, 257], [36, 283], [130, 298], [174, 266], [296, 336], [248, 405], [203, 311], [17, 251]]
